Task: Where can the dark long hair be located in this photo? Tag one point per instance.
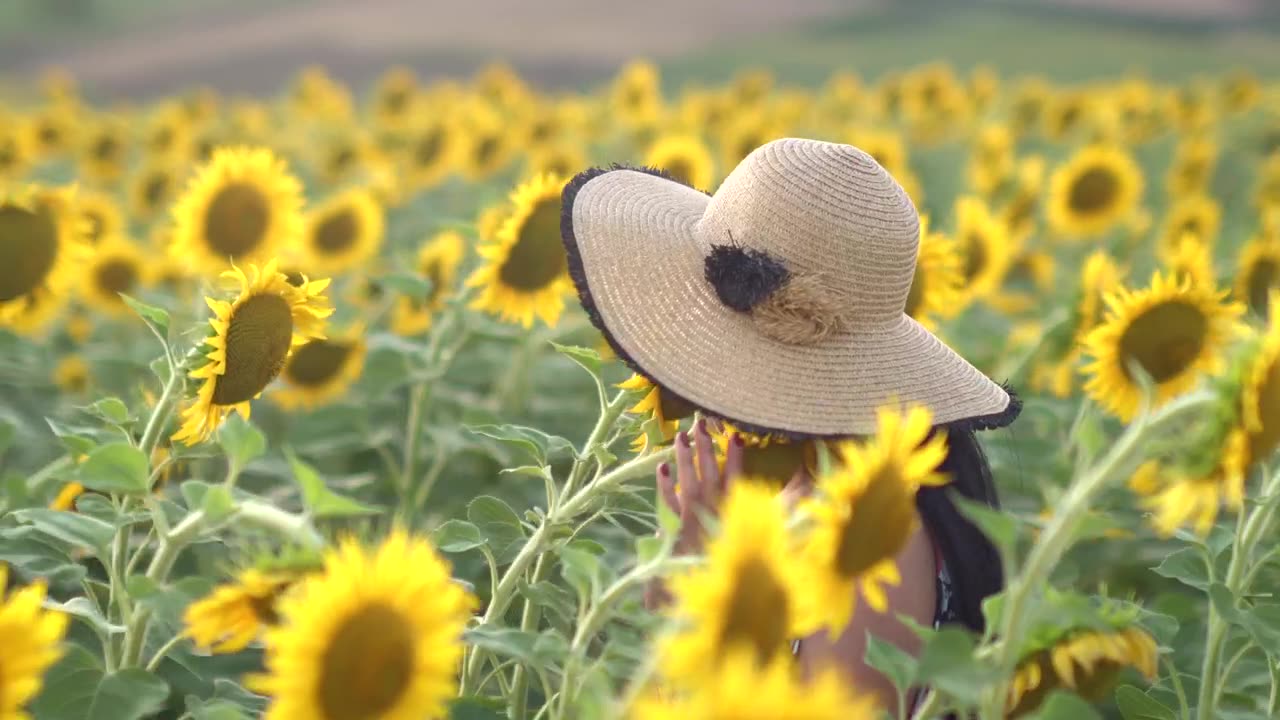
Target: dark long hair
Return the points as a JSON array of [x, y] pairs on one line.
[[972, 560]]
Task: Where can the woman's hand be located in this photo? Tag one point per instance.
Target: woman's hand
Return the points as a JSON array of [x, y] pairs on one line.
[[698, 484]]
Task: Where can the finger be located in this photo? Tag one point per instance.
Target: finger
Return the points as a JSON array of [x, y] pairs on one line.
[[686, 477], [708, 468], [667, 488], [733, 462]]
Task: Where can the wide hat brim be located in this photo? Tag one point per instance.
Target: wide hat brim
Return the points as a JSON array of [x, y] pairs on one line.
[[637, 259]]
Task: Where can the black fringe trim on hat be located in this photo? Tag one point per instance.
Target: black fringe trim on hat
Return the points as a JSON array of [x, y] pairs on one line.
[[579, 275]]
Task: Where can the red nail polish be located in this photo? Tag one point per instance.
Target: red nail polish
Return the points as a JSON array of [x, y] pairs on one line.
[[664, 470], [684, 438], [702, 425], [737, 440]]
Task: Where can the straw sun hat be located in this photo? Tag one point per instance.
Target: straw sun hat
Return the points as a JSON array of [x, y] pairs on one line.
[[777, 303]]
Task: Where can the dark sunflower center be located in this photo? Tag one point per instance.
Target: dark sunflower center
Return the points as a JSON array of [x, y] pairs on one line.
[[156, 189], [396, 101], [49, 134], [538, 256], [8, 152], [116, 276], [236, 221], [673, 406], [162, 138], [294, 278], [106, 148], [435, 273], [975, 257], [775, 462], [317, 362], [1021, 209], [427, 149], [679, 169], [337, 232], [367, 665], [258, 338], [1094, 191], [1192, 224], [341, 159], [96, 225], [1263, 276], [486, 149], [28, 250], [915, 296], [1032, 699], [756, 615], [264, 607], [1264, 442], [878, 526], [1165, 340]]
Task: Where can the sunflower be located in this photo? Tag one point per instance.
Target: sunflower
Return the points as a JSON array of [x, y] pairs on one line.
[[771, 459], [1099, 277], [1031, 276], [153, 190], [41, 248], [889, 149], [54, 130], [344, 232], [16, 149], [500, 84], [438, 261], [431, 152], [1258, 273], [104, 152], [662, 408], [1172, 330], [317, 94], [252, 339], [685, 158], [377, 633], [321, 370], [65, 500], [526, 271], [939, 279], [242, 206], [168, 133], [1093, 191], [395, 98], [1021, 213], [117, 266], [563, 159], [1065, 113], [1198, 215], [744, 134], [1266, 191], [983, 243], [1192, 168], [486, 146], [71, 374], [1190, 258], [636, 95], [992, 161], [737, 689], [1086, 662], [745, 597], [864, 513], [235, 614], [31, 637], [101, 214]]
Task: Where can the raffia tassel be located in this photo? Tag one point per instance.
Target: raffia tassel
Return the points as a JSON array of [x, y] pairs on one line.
[[805, 311]]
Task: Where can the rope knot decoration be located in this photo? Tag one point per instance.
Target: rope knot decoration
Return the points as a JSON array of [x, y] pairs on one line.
[[786, 306]]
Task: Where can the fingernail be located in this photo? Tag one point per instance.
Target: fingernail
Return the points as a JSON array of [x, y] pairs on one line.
[[702, 425], [738, 441], [664, 470], [684, 438]]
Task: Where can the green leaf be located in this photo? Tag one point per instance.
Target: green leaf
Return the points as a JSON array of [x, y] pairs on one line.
[[408, 284], [648, 547], [1223, 601], [214, 709], [538, 445], [141, 587], [318, 498], [69, 686], [1263, 623], [128, 694], [539, 650], [157, 318], [76, 439], [72, 528], [1137, 705], [477, 708], [1186, 566], [891, 661], [84, 610], [26, 548], [580, 569], [1062, 705], [242, 441], [550, 596], [217, 504], [586, 357], [455, 536], [111, 409], [115, 468], [7, 433], [1001, 528], [193, 492], [498, 524], [946, 662]]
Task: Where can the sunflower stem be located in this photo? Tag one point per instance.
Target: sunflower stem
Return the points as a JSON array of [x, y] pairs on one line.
[[160, 413], [412, 429], [1058, 536], [292, 527], [171, 545], [930, 708], [1248, 530], [529, 619]]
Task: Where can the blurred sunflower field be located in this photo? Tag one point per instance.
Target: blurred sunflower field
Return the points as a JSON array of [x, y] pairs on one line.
[[301, 418]]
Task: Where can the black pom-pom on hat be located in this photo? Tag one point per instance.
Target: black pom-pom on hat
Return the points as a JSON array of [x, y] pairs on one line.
[[743, 277]]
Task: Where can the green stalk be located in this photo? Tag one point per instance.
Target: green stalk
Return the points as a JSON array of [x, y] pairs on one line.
[[529, 619], [928, 709], [297, 528], [1057, 537], [1248, 532], [171, 545]]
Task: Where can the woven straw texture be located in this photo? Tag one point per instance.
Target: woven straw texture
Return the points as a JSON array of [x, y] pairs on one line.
[[824, 210]]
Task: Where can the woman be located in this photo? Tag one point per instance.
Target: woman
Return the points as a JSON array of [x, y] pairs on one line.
[[777, 305]]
